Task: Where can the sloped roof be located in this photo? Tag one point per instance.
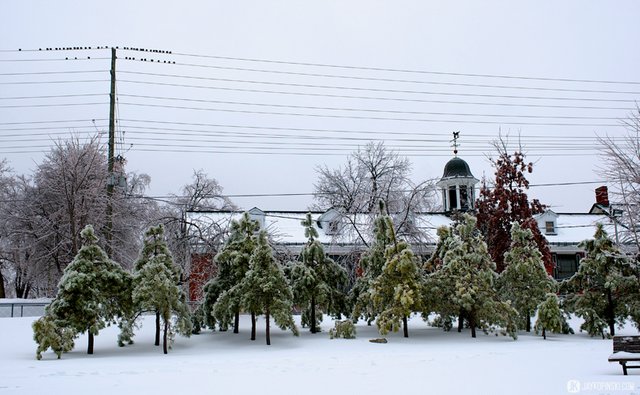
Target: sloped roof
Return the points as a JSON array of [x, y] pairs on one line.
[[286, 228]]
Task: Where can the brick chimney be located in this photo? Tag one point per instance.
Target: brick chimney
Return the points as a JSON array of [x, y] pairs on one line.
[[602, 196]]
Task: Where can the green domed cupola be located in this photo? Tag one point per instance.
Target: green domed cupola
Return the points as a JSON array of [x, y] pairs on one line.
[[457, 183]]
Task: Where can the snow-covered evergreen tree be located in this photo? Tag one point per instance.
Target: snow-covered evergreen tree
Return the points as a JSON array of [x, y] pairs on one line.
[[47, 333], [94, 292], [550, 317], [317, 281], [440, 286], [524, 282], [157, 288], [604, 288], [398, 290], [264, 289], [467, 278], [233, 264], [370, 265]]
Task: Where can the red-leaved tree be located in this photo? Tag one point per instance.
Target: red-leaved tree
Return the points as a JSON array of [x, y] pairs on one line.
[[506, 201]]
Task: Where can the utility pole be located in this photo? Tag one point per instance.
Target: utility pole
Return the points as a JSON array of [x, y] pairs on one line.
[[111, 159]]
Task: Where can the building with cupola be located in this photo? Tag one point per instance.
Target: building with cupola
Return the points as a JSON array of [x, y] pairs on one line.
[[457, 190], [457, 186]]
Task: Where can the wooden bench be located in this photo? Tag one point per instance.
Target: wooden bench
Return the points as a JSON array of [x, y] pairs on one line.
[[626, 349]]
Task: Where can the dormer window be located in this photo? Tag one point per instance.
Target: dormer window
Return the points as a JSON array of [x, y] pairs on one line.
[[334, 227], [330, 222], [550, 228], [548, 222], [257, 215]]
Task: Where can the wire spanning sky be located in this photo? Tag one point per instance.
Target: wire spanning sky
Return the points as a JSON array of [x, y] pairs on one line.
[[260, 93]]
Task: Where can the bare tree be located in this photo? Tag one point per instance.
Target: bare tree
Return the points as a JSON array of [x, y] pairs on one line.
[[20, 247], [185, 235], [621, 168], [70, 183], [46, 212], [132, 212], [371, 175], [6, 184]]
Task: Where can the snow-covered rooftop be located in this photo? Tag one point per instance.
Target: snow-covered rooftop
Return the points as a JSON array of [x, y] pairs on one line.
[[285, 226]]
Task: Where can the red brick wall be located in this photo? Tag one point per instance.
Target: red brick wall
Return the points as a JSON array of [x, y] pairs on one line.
[[202, 269]]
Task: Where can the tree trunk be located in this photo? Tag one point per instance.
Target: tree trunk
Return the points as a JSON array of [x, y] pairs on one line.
[[164, 336], [610, 312], [528, 322], [90, 345], [544, 333], [472, 323], [157, 342], [404, 325], [267, 318], [236, 322], [460, 322], [2, 292], [253, 326], [313, 314]]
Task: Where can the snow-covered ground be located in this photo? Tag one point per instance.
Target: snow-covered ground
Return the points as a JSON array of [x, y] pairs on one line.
[[428, 362]]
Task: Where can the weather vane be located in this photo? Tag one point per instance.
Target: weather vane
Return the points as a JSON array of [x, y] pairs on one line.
[[456, 136]]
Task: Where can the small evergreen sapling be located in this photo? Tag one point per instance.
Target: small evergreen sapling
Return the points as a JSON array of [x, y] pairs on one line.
[[48, 333], [92, 293], [441, 286], [469, 274], [604, 287], [233, 264], [265, 290], [524, 282], [317, 281], [157, 288], [550, 317], [371, 265], [398, 290], [345, 329]]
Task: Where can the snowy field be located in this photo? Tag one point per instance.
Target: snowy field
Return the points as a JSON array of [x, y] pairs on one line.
[[429, 362]]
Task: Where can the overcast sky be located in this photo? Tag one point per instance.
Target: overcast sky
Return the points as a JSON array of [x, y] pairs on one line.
[[255, 98]]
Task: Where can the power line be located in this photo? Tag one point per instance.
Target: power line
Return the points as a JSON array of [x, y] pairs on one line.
[[361, 78], [308, 94], [53, 105], [52, 96], [247, 151], [327, 142], [50, 82], [53, 121], [363, 131], [187, 129], [259, 127], [55, 72], [419, 136], [337, 66], [501, 76], [370, 118], [166, 198], [369, 109], [52, 60], [363, 89], [243, 138], [294, 194]]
